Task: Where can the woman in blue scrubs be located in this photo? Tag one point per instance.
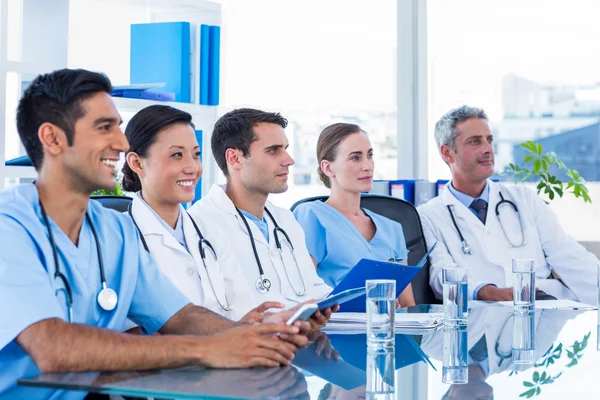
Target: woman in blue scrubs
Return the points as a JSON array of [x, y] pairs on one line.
[[338, 231]]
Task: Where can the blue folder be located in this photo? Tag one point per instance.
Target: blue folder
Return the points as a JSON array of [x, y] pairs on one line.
[[372, 269], [160, 52]]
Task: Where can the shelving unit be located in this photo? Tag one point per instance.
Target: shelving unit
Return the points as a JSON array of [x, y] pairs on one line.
[[34, 39]]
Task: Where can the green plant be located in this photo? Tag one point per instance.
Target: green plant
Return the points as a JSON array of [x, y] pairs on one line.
[[117, 191], [539, 170]]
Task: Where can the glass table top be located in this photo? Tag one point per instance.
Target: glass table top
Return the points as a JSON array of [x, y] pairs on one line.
[[338, 366]]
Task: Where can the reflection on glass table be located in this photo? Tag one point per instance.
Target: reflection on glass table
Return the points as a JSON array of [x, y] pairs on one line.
[[335, 366], [560, 339]]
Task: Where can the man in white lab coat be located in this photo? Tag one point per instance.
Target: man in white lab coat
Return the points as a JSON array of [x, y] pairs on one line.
[[249, 146], [484, 225]]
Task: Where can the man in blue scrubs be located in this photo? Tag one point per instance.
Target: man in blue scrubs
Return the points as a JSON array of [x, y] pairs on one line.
[[69, 127]]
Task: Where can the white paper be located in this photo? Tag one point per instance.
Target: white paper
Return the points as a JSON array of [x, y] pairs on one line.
[[403, 320]]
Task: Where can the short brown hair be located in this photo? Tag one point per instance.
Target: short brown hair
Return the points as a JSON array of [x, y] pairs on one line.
[[328, 143]]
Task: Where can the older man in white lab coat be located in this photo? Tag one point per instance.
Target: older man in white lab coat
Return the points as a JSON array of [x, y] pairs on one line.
[[484, 225]]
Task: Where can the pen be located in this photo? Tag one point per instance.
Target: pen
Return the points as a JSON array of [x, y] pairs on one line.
[[576, 308]]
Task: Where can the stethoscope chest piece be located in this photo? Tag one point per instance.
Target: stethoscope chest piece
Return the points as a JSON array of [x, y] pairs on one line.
[[107, 299], [263, 285]]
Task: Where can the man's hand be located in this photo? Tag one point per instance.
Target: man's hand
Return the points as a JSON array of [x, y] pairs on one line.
[[256, 315], [493, 293], [299, 340], [252, 346], [319, 319]]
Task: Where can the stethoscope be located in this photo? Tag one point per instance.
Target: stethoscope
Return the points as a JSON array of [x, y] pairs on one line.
[[465, 245], [204, 246], [107, 298], [263, 284]]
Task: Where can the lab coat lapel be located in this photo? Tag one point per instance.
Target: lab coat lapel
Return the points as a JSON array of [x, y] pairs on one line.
[[151, 226], [223, 202], [459, 210]]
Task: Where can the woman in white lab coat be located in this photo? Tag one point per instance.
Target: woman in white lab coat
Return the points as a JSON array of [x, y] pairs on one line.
[[162, 168]]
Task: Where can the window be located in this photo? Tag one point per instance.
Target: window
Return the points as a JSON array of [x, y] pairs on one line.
[[317, 63], [534, 67]]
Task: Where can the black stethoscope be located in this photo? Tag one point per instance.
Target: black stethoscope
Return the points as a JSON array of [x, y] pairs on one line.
[[107, 298], [465, 245], [263, 285], [204, 246]]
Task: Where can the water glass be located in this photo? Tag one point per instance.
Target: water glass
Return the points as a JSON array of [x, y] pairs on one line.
[[381, 373], [381, 310], [454, 356], [455, 297], [523, 285], [523, 351]]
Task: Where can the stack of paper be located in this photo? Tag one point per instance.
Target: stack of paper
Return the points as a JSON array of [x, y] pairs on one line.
[[347, 322]]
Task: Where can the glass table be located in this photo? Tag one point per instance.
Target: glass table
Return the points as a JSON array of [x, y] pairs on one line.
[[337, 366]]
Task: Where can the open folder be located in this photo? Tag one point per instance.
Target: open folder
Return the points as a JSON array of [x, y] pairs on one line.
[[373, 269]]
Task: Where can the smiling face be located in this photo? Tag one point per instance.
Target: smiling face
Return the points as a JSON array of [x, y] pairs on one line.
[[266, 168], [172, 168], [473, 159], [353, 166], [97, 144]]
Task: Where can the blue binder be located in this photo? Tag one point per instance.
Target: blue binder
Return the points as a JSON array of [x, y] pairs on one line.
[[160, 52], [373, 269]]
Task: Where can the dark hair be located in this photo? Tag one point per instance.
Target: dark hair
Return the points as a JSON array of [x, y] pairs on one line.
[[56, 98], [141, 132], [234, 130], [328, 143]]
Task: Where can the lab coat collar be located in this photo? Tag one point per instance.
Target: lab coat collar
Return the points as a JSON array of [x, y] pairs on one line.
[[150, 225], [218, 196], [461, 211]]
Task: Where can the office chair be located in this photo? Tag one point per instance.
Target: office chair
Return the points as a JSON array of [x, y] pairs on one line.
[[406, 214], [117, 203]]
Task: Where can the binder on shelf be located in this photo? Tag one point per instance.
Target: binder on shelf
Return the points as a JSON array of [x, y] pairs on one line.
[[440, 185], [160, 52], [204, 64], [198, 190], [403, 189], [210, 63], [424, 191], [381, 187]]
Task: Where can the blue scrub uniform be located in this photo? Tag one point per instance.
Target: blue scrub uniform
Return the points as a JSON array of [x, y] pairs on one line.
[[27, 284], [337, 245]]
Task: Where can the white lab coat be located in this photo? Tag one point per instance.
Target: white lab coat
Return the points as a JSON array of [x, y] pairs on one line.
[[187, 271], [216, 209], [491, 259]]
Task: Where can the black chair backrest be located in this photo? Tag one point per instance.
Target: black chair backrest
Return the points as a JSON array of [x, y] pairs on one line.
[[117, 203], [406, 214]]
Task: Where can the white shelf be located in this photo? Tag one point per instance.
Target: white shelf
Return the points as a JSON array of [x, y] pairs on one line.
[[19, 172], [201, 5], [135, 105]]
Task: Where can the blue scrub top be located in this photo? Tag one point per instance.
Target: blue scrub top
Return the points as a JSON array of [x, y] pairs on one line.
[[27, 281], [336, 244]]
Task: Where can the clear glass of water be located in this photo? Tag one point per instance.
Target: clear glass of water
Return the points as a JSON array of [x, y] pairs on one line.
[[456, 304], [381, 310], [454, 358], [523, 351], [523, 285], [381, 373]]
